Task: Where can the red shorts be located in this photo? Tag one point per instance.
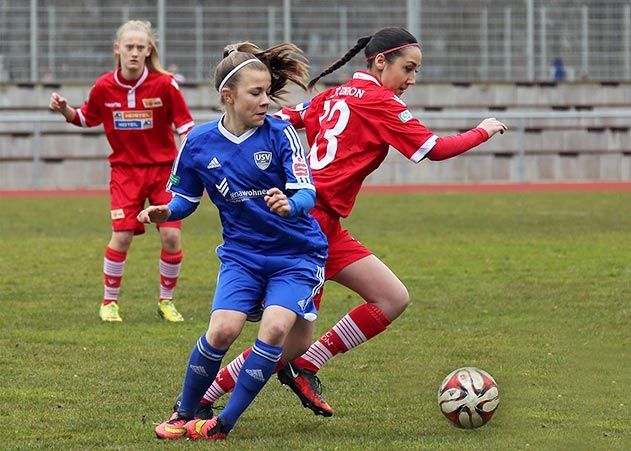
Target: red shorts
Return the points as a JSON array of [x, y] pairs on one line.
[[343, 248], [130, 187]]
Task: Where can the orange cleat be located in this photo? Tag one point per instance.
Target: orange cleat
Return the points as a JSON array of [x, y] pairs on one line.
[[172, 429], [212, 429]]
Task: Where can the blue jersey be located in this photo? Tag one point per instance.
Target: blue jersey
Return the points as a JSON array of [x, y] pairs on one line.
[[237, 171]]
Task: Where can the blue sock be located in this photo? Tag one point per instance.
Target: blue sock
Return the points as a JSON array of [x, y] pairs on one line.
[[256, 371], [203, 366]]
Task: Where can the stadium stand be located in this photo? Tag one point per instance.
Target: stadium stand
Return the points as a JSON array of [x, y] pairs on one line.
[[569, 131], [479, 61]]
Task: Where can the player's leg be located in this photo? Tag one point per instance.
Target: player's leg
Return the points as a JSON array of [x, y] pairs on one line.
[[258, 367], [238, 291], [113, 269], [203, 364], [125, 203], [171, 254], [171, 257], [297, 342], [289, 301], [351, 264], [386, 298]]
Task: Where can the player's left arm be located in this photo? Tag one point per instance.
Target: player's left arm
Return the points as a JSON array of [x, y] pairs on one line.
[[450, 146], [409, 136]]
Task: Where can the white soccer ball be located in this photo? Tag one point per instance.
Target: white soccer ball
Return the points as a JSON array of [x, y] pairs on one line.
[[468, 397]]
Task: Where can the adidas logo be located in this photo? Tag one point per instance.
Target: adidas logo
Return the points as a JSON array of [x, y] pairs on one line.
[[214, 163], [199, 370], [256, 374], [302, 304]]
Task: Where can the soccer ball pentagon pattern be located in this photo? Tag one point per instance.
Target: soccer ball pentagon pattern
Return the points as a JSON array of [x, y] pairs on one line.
[[468, 397]]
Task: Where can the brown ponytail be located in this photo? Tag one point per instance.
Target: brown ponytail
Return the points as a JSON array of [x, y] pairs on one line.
[[285, 62]]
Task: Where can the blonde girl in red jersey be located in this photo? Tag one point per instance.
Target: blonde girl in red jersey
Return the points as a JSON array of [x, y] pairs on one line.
[[138, 104], [350, 129]]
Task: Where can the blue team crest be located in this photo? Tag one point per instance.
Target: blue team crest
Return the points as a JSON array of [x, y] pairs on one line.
[[263, 159]]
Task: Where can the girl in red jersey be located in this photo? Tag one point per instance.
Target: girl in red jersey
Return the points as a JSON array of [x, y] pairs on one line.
[[138, 103], [350, 129]]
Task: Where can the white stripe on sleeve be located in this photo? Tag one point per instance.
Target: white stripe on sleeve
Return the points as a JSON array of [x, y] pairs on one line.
[[424, 149]]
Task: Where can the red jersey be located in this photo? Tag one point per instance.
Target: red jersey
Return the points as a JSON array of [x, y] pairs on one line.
[[349, 129], [137, 116]]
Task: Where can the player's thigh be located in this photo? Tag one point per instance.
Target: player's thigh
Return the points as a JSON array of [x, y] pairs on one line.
[[293, 283], [238, 288], [126, 198], [375, 283]]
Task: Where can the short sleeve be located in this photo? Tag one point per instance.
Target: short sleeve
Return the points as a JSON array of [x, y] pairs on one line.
[[403, 131], [90, 114], [184, 180], [181, 115]]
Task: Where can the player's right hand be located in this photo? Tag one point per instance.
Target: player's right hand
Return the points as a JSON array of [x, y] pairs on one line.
[[492, 126], [277, 202], [57, 103], [154, 214]]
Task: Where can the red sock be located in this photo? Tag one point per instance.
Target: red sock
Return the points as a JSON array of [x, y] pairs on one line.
[[226, 378], [170, 264], [113, 267], [357, 327]]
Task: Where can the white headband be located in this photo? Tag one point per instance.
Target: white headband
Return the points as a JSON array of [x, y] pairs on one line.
[[234, 71]]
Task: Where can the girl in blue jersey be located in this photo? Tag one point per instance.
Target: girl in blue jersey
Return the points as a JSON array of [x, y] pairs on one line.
[[254, 169]]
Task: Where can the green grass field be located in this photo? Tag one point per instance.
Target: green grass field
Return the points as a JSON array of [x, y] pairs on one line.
[[534, 288]]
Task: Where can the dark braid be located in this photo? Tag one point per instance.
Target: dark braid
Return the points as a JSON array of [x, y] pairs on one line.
[[361, 43], [385, 40]]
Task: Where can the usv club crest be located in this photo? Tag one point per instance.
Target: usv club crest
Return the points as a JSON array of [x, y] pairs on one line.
[[263, 159]]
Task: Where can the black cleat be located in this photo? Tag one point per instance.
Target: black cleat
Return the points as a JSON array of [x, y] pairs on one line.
[[204, 411]]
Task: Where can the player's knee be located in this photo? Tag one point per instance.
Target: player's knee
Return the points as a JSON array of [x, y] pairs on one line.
[[171, 241], [273, 333], [121, 241], [221, 336], [403, 298], [396, 302]]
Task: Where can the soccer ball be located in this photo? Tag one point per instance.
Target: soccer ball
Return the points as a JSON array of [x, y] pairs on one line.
[[468, 397]]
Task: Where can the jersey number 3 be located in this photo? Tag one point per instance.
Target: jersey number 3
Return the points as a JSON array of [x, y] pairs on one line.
[[330, 129]]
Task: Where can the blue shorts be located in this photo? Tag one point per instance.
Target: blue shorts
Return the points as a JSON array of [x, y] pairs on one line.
[[246, 278]]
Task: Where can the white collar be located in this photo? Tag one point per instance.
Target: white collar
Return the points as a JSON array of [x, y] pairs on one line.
[[229, 136], [142, 78], [365, 76]]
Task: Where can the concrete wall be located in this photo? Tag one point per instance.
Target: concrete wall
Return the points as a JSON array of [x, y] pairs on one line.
[[536, 149]]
